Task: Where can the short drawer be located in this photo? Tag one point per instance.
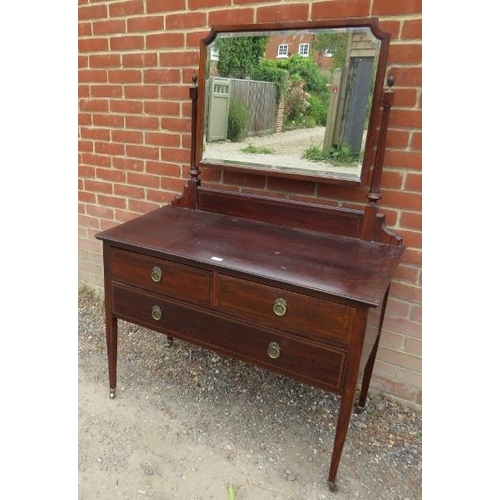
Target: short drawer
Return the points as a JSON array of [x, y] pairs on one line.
[[306, 360], [289, 311], [161, 276]]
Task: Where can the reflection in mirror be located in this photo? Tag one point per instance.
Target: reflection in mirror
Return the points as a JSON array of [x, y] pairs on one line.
[[295, 101]]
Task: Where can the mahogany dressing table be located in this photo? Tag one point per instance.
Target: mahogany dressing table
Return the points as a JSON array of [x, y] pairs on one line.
[[298, 288]]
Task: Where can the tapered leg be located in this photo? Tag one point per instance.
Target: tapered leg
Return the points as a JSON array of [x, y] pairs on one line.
[[347, 395], [112, 350], [367, 373]]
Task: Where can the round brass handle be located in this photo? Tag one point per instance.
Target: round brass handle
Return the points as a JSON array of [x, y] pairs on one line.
[[279, 307], [156, 274], [273, 350], [156, 313]]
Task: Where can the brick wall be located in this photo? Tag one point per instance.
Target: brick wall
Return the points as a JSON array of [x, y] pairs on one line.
[[136, 59]]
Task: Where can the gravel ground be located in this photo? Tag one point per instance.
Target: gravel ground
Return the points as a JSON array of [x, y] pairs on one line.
[[189, 424]]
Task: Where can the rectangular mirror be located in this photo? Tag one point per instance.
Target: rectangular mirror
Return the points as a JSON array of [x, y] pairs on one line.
[[292, 100]]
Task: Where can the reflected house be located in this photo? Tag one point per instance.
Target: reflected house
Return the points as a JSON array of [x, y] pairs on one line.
[[285, 44]]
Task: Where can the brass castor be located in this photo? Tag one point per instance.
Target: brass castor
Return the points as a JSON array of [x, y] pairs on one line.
[[170, 342], [112, 393]]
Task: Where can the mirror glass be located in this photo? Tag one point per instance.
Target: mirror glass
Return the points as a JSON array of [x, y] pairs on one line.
[[290, 101]]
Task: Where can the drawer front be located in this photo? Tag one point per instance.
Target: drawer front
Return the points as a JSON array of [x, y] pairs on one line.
[[161, 276], [305, 360], [289, 311]]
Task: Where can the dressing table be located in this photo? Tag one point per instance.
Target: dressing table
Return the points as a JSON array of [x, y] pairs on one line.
[[295, 287]]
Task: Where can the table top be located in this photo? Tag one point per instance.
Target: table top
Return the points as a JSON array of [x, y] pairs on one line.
[[338, 266]]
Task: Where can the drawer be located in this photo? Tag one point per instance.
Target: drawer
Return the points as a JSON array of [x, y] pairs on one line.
[[161, 276], [289, 311], [305, 360]]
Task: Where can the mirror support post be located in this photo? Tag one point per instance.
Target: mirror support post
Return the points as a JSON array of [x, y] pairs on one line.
[[374, 195], [193, 182]]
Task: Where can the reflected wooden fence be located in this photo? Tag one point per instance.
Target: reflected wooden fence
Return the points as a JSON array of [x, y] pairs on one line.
[[259, 99]]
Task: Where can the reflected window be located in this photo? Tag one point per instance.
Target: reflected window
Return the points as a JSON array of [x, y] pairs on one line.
[[214, 54], [283, 50], [304, 49]]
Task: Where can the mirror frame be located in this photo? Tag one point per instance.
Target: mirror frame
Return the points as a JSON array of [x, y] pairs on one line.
[[370, 146]]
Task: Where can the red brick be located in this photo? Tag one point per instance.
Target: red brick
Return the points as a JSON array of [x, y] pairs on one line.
[[406, 98], [398, 139], [124, 216], [92, 76], [412, 28], [142, 60], [392, 8], [113, 121], [406, 118], [416, 140], [172, 155], [416, 313], [126, 42], [90, 105], [126, 106], [185, 58], [405, 53], [407, 292], [109, 148], [141, 91], [83, 62], [86, 171], [289, 11], [402, 359], [403, 159], [340, 8], [397, 308], [413, 182], [391, 26], [142, 207], [162, 139], [203, 4], [142, 122], [150, 23], [106, 91], [173, 185], [193, 39], [230, 16], [164, 6], [127, 136], [392, 340], [161, 76], [124, 76], [162, 168], [92, 12], [99, 134], [413, 346], [86, 197], [120, 9], [162, 108], [96, 160], [144, 152], [98, 186], [86, 146], [174, 92], [176, 124], [104, 60], [165, 40], [411, 220], [129, 191], [107, 27], [84, 119], [135, 164], [413, 256], [185, 20], [162, 197], [93, 45], [84, 29], [112, 201], [139, 179], [110, 175], [407, 77], [392, 179]]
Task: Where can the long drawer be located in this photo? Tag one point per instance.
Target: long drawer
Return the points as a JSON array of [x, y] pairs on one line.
[[289, 311], [306, 360], [161, 276]]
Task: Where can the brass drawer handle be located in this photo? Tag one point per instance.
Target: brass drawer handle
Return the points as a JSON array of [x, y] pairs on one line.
[[273, 350], [156, 274], [279, 307], [156, 313]]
